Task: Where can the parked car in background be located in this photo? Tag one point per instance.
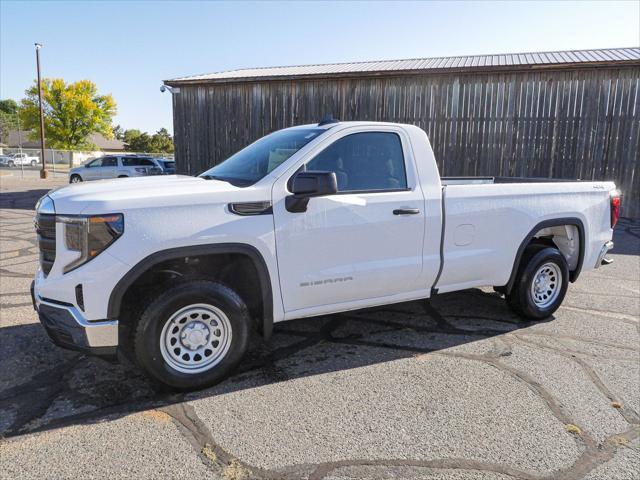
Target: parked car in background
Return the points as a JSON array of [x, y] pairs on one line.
[[19, 159], [115, 166], [307, 221], [167, 165], [4, 160]]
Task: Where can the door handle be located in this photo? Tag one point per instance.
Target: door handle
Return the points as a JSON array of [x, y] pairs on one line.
[[406, 211]]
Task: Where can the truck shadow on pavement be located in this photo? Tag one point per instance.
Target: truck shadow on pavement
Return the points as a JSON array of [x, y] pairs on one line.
[[44, 387], [631, 244], [23, 200]]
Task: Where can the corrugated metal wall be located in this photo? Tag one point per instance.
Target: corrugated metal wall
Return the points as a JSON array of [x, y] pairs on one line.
[[580, 123]]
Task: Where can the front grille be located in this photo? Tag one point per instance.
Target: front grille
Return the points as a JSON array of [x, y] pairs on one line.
[[46, 230]]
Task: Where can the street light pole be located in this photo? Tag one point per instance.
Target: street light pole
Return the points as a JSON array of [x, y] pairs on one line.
[[43, 172]]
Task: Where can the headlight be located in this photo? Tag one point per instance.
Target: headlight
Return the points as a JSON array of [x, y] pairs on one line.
[[89, 235], [45, 206]]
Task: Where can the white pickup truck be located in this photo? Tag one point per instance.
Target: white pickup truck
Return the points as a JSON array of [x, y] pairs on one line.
[[22, 159], [176, 272]]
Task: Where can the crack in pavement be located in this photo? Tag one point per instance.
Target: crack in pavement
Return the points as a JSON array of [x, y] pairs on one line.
[[623, 317], [629, 414], [200, 437]]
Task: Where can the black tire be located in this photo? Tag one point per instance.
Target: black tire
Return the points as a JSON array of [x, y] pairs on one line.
[[75, 179], [521, 298], [148, 331], [33, 163], [123, 176], [11, 164]]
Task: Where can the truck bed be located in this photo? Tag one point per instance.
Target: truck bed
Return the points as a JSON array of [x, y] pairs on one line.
[[485, 218], [491, 180]]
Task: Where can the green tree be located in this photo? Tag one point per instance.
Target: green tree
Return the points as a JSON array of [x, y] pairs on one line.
[[9, 106], [118, 132], [134, 141], [159, 142], [8, 118], [72, 112], [137, 141]]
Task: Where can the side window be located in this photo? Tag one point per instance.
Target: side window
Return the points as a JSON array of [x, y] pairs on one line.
[[137, 162], [368, 161], [109, 162], [96, 163]]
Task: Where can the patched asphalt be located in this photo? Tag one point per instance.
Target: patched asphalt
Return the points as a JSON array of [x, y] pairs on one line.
[[455, 388]]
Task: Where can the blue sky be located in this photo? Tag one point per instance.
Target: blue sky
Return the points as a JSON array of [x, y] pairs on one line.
[[128, 48]]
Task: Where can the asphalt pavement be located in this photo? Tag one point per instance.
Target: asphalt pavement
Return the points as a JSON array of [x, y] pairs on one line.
[[455, 388]]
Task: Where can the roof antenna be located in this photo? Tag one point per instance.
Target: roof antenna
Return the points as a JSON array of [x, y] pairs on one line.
[[327, 119]]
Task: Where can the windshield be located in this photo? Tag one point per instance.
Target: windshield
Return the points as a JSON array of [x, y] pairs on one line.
[[261, 157]]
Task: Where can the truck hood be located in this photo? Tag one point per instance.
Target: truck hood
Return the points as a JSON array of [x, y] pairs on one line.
[[118, 195]]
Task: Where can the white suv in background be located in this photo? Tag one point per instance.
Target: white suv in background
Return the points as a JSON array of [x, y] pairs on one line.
[[114, 166]]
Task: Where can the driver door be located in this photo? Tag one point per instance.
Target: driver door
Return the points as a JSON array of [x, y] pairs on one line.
[[109, 167], [356, 244], [92, 169]]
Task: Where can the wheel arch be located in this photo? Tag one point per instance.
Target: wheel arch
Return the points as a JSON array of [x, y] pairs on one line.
[[554, 222], [118, 293]]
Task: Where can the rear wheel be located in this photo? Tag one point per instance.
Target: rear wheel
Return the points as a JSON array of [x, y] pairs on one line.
[[75, 179], [193, 335], [33, 163], [541, 284], [11, 164], [123, 176]]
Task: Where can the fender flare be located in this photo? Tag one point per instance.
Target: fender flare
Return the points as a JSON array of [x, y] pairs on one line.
[[118, 292], [554, 222]]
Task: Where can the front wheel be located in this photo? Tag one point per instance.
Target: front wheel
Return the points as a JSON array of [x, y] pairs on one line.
[[75, 179], [193, 335], [11, 164], [541, 284]]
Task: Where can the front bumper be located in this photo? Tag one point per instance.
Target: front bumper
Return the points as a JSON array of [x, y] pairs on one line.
[[67, 328]]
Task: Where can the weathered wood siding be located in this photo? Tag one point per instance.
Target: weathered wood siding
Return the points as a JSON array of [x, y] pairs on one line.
[[580, 123]]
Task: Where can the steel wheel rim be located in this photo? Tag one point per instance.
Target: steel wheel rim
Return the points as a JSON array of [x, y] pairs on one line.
[[195, 338], [546, 285]]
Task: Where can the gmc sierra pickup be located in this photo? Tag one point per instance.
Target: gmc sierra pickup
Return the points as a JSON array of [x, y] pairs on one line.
[[175, 272]]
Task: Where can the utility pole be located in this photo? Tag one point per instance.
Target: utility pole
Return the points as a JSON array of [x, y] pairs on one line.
[[43, 172], [20, 144]]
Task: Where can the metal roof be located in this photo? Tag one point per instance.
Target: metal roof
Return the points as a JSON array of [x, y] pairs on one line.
[[470, 62]]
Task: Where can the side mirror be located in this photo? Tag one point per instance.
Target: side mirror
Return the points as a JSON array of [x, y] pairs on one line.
[[306, 185]]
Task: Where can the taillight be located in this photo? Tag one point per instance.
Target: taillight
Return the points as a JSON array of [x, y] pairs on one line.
[[615, 208]]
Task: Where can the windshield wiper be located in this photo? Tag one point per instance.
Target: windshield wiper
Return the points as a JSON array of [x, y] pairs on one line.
[[215, 177], [236, 182]]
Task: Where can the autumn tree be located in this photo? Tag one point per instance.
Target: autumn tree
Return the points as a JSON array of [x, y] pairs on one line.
[[72, 112]]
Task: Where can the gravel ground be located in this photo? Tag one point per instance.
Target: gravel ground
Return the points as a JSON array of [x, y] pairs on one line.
[[457, 388]]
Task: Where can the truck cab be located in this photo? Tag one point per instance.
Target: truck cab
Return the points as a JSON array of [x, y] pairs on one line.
[[177, 272]]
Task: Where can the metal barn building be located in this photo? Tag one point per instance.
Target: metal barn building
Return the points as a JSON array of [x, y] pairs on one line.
[[569, 114]]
